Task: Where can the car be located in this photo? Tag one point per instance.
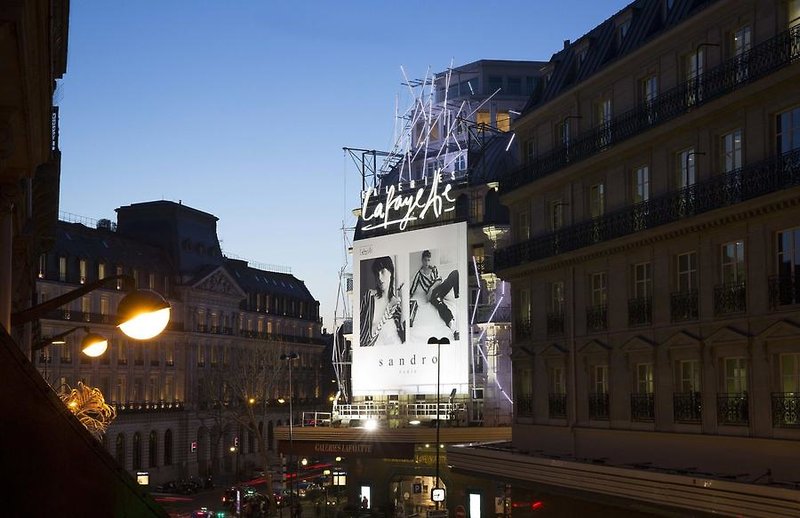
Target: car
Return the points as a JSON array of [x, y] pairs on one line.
[[203, 512]]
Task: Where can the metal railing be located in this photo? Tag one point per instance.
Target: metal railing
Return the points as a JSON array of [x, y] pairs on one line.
[[640, 311], [762, 60], [784, 290], [557, 406], [733, 409], [786, 409], [523, 329], [524, 405], [643, 407], [687, 407], [598, 406], [723, 190], [730, 298], [555, 323], [683, 306], [597, 318]]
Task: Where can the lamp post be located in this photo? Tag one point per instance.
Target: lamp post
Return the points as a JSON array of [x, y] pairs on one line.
[[290, 357], [142, 314], [438, 342]]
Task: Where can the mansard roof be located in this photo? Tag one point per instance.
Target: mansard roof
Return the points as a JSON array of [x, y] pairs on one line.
[[253, 280], [77, 240], [602, 46]]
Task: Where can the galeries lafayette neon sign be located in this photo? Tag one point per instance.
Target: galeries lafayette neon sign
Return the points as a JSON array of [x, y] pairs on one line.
[[400, 209]]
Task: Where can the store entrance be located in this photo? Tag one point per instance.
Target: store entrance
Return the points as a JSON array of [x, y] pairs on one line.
[[411, 495]]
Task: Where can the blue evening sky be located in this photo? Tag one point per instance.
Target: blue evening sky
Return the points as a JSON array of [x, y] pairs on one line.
[[241, 108]]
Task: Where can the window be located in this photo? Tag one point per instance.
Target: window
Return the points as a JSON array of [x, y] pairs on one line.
[[524, 304], [168, 447], [562, 130], [137, 451], [152, 449], [530, 85], [495, 83], [790, 373], [597, 200], [483, 118], [694, 71], [121, 390], [82, 267], [603, 112], [122, 358], [735, 375], [689, 376], [169, 354], [687, 271], [119, 281], [101, 271], [135, 275], [168, 394], [645, 378], [514, 85], [62, 269], [732, 151], [733, 270], [523, 225], [120, 449], [788, 253], [42, 265], [794, 12], [476, 207], [529, 151], [642, 280], [66, 353], [641, 184], [742, 42], [601, 379], [557, 297], [686, 168], [151, 281], [648, 89], [788, 130], [599, 289], [503, 121], [557, 382], [622, 30], [556, 214], [104, 306]]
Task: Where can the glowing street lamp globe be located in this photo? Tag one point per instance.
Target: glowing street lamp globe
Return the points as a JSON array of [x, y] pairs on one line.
[[94, 345], [143, 314]]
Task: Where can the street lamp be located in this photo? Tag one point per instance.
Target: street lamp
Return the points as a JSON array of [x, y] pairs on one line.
[[92, 344], [437, 492], [290, 357], [142, 314]]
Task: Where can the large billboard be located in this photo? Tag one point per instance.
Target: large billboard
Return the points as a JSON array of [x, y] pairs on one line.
[[411, 286]]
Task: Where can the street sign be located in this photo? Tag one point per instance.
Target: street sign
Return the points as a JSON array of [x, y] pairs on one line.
[[417, 489], [437, 494], [460, 512]]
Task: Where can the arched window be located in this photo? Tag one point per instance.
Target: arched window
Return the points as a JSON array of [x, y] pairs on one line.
[[168, 448], [152, 449], [120, 454], [137, 451]]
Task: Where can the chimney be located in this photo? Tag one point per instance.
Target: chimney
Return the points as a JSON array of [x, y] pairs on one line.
[[566, 43]]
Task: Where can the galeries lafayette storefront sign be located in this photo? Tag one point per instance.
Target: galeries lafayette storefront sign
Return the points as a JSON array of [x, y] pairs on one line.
[[431, 201], [396, 450]]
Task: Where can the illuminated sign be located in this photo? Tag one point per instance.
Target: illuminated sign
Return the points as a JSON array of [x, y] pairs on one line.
[[411, 286], [143, 478], [348, 449], [400, 209]]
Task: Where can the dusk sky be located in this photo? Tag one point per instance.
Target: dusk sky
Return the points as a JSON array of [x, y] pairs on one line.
[[241, 109]]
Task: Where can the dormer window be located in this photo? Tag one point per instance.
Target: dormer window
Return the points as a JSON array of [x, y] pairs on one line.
[[623, 25]]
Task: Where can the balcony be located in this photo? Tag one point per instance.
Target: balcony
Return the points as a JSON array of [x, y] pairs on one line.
[[730, 298], [723, 190], [733, 409], [786, 409], [761, 61], [784, 290], [598, 406], [640, 311], [524, 404], [555, 323], [687, 407], [643, 407], [148, 406], [523, 329], [597, 318], [557, 406], [683, 306]]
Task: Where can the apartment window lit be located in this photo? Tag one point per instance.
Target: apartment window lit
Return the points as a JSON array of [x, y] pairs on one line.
[[86, 307], [686, 168], [790, 373], [599, 289], [101, 271], [503, 121], [168, 393], [557, 297], [153, 391], [732, 151], [122, 355], [645, 378], [42, 265], [524, 225], [557, 383], [788, 131], [151, 281], [597, 200], [104, 306], [642, 280], [121, 393], [82, 268], [483, 118], [119, 281], [689, 376], [793, 12], [201, 356], [733, 267], [601, 379], [687, 271], [62, 269], [735, 375], [641, 184]]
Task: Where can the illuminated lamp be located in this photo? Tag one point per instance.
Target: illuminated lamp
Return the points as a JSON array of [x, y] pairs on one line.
[[414, 422], [143, 314], [92, 344], [371, 424]]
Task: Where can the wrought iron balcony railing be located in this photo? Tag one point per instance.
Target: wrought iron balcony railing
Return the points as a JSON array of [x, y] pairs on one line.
[[724, 190], [683, 306], [597, 318], [730, 298], [786, 409], [598, 406], [733, 409], [640, 311], [524, 404], [762, 60], [523, 329], [643, 407], [687, 407], [557, 406], [784, 290], [555, 323]]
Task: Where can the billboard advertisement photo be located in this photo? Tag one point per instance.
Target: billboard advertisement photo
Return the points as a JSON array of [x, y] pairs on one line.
[[410, 287]]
